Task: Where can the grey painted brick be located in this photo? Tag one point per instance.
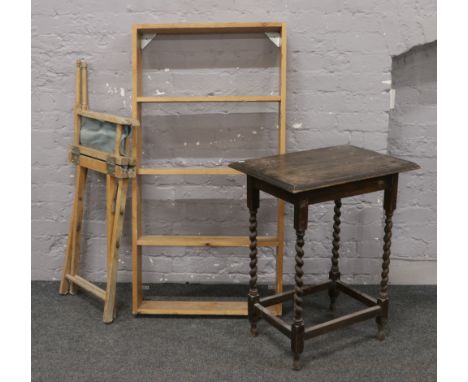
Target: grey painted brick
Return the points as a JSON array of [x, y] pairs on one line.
[[339, 71], [413, 130]]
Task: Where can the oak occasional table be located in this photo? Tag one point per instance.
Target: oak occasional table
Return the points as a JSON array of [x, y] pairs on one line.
[[314, 176]]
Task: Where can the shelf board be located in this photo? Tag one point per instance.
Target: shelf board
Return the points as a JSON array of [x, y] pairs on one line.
[[188, 171], [188, 99], [210, 28], [204, 241], [213, 308]]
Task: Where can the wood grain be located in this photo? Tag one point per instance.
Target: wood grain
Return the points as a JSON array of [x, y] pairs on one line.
[[214, 308], [220, 98], [203, 241], [315, 169]]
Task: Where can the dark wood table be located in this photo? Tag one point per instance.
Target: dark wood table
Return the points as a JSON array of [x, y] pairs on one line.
[[309, 177]]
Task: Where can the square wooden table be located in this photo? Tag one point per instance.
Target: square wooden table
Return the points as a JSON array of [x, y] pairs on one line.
[[314, 176]]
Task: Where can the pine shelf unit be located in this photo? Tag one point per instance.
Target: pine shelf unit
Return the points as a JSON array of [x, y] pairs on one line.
[[236, 308]]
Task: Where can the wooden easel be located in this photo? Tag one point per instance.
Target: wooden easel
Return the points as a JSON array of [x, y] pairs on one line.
[[118, 167], [139, 240]]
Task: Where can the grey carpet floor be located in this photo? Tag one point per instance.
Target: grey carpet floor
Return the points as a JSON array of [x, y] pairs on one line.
[[70, 343]]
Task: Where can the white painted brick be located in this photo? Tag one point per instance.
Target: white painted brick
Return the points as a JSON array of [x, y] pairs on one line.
[[339, 63]]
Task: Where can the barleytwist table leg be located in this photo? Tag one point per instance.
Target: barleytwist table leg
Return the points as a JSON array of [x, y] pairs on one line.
[[383, 295], [335, 271], [297, 343], [253, 292]]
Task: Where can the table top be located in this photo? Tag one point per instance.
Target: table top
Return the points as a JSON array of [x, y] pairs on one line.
[[329, 166]]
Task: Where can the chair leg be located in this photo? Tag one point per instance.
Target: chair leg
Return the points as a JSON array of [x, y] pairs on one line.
[[110, 211], [113, 264], [301, 217], [111, 190], [335, 271], [297, 337], [253, 296], [253, 202], [383, 295], [390, 201], [81, 176], [64, 283]]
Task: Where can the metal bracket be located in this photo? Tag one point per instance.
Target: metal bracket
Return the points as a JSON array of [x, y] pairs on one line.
[[111, 166], [145, 39], [75, 155], [275, 38], [131, 172]]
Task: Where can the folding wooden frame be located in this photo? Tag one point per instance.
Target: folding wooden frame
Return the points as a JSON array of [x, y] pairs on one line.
[[118, 168], [140, 305]]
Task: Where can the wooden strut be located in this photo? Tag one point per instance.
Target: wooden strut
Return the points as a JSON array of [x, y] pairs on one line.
[[116, 191], [139, 305]]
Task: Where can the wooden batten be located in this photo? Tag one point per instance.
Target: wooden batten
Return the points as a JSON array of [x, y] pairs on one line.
[[84, 85], [188, 171], [108, 118], [204, 241], [212, 308], [188, 99], [88, 286], [186, 28]]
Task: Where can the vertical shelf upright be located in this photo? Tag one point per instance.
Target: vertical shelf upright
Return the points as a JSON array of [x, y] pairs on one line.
[[217, 307]]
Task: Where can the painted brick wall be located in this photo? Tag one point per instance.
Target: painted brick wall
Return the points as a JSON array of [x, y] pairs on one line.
[[339, 77], [413, 135]]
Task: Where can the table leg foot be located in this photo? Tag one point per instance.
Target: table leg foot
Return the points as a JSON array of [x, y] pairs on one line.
[[253, 330], [380, 328], [333, 294], [296, 362]]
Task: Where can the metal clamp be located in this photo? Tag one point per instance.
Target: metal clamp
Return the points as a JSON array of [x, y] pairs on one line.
[[75, 155], [111, 165], [131, 171]]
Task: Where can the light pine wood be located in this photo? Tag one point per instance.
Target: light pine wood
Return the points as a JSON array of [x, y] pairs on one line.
[[84, 85], [64, 283], [97, 160], [118, 138], [88, 286], [282, 150], [78, 90], [100, 166], [110, 213], [140, 306], [103, 156], [215, 308], [78, 104], [204, 241], [81, 176], [108, 117], [113, 264], [187, 99], [137, 294], [210, 28], [111, 197], [188, 171]]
